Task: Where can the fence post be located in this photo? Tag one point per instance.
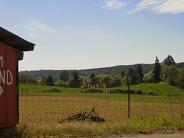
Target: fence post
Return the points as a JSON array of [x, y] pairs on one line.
[[128, 85]]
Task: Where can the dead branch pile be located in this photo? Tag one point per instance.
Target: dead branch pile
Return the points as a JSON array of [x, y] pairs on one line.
[[84, 115]]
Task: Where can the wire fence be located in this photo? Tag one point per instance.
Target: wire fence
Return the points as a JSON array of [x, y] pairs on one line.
[[52, 108]]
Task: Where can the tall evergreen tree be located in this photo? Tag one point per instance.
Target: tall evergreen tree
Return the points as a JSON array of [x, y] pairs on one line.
[[117, 81], [122, 74], [140, 73], [93, 79], [43, 80], [156, 71], [75, 81], [173, 75], [50, 81], [181, 78], [132, 76], [64, 75], [108, 81], [169, 61]]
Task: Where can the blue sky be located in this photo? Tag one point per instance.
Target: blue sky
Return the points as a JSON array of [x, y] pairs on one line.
[[79, 34]]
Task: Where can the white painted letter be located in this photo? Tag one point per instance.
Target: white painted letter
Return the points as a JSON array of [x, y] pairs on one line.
[[2, 77], [9, 77], [1, 61]]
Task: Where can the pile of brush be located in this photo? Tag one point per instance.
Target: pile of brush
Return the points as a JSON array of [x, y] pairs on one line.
[[92, 115]]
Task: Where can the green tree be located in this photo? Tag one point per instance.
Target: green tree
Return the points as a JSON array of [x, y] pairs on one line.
[[27, 78], [99, 80], [43, 80], [156, 71], [148, 77], [93, 80], [108, 81], [75, 82], [122, 74], [169, 60], [164, 72], [50, 81], [139, 73], [64, 75], [86, 82], [133, 77], [117, 81], [181, 78], [23, 77], [173, 75]]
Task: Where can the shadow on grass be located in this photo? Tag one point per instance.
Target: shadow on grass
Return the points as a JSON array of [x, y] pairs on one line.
[[15, 132]]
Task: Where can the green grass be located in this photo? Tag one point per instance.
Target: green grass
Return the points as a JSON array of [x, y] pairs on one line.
[[44, 89], [162, 90], [136, 125]]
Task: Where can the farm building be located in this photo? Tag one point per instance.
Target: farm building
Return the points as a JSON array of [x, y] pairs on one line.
[[11, 51]]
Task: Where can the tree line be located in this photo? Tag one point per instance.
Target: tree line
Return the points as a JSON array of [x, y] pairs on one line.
[[167, 71]]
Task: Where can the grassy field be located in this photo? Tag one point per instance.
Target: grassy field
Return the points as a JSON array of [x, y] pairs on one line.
[[40, 110], [160, 89]]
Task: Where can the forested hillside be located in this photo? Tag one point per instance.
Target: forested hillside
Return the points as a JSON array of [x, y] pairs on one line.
[[87, 72]]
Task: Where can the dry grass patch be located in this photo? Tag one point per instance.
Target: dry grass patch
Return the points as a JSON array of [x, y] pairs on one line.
[[39, 115]]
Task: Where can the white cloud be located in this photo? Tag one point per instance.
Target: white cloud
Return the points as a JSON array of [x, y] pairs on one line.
[[160, 6], [113, 4], [34, 27]]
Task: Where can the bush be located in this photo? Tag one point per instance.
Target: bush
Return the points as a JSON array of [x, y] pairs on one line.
[[139, 92], [53, 90], [152, 93], [49, 81], [92, 90], [116, 91]]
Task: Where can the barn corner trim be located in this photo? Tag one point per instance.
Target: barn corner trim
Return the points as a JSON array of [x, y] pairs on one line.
[[15, 41]]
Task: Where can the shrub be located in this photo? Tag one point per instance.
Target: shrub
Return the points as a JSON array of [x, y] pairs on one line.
[[139, 92], [152, 93], [53, 90], [49, 81], [134, 91], [116, 91]]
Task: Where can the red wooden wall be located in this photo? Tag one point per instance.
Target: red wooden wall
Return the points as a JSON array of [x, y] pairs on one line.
[[8, 84]]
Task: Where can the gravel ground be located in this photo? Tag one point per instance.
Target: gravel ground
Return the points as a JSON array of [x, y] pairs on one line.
[[179, 135]]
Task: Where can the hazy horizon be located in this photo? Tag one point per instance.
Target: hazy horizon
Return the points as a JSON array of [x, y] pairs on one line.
[[100, 33], [94, 67]]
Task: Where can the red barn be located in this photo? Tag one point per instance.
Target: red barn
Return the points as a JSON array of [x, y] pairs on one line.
[[11, 51]]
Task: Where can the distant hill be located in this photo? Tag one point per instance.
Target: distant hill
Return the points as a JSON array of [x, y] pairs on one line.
[[105, 70], [114, 69], [180, 65]]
